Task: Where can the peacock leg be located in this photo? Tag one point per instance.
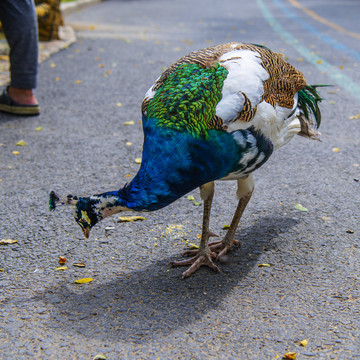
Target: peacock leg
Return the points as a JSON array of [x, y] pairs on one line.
[[203, 255], [244, 192]]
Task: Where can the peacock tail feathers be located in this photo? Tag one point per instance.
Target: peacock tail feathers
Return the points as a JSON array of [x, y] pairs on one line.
[[308, 99], [308, 102], [187, 100]]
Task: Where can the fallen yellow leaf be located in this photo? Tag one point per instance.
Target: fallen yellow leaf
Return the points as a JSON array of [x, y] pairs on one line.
[[15, 152], [138, 160], [131, 122], [61, 268], [119, 104], [39, 128], [57, 78], [7, 241], [226, 226], [1, 270], [83, 281], [128, 143], [192, 245], [263, 265], [289, 355], [319, 61], [101, 65], [354, 117], [303, 342], [78, 81], [21, 143], [62, 260], [79, 265], [99, 357], [335, 149], [52, 65], [130, 218]]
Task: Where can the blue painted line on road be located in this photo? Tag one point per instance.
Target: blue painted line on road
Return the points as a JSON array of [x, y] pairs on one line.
[[340, 79], [323, 37]]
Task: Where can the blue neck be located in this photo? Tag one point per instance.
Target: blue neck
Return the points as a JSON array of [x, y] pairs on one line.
[[173, 164]]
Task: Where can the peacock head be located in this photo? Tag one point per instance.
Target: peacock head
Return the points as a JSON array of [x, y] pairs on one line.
[[87, 212]]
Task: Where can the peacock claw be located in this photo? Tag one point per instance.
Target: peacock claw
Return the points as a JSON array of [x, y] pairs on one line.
[[221, 247], [195, 263]]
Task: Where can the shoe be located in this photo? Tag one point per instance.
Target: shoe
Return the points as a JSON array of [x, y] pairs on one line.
[[7, 104]]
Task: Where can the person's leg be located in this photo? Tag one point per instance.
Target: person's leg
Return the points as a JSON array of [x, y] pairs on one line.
[[20, 27]]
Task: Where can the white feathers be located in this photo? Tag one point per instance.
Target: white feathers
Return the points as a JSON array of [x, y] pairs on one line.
[[246, 76], [275, 123]]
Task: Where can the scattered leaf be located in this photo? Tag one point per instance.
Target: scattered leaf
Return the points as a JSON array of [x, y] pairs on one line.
[[335, 149], [81, 265], [332, 92], [99, 357], [101, 65], [289, 355], [1, 270], [191, 198], [131, 122], [57, 78], [7, 241], [83, 281], [341, 66], [39, 128], [128, 143], [349, 231], [52, 65], [91, 27], [326, 218], [303, 342], [138, 160], [21, 143], [192, 245], [319, 61], [119, 104], [332, 102], [61, 268], [130, 218], [15, 152], [108, 72], [263, 265], [127, 175], [226, 226], [78, 81], [301, 208], [62, 260], [354, 117], [300, 59]]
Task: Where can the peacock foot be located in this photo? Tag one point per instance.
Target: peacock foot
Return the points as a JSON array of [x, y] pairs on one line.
[[222, 247], [195, 262]]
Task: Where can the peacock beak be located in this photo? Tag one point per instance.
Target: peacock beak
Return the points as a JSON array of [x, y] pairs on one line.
[[86, 232]]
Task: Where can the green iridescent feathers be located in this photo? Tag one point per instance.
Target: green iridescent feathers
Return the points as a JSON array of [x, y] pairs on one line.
[[187, 99], [308, 102]]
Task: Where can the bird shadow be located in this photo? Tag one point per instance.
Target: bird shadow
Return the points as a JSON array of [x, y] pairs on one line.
[[155, 301]]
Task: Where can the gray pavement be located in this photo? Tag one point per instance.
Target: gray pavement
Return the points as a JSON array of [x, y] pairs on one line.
[[137, 307]]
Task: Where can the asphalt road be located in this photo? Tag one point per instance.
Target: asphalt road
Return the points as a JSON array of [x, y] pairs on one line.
[[137, 307]]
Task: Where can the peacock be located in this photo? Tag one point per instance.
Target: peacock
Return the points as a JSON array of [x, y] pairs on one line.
[[216, 114]]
